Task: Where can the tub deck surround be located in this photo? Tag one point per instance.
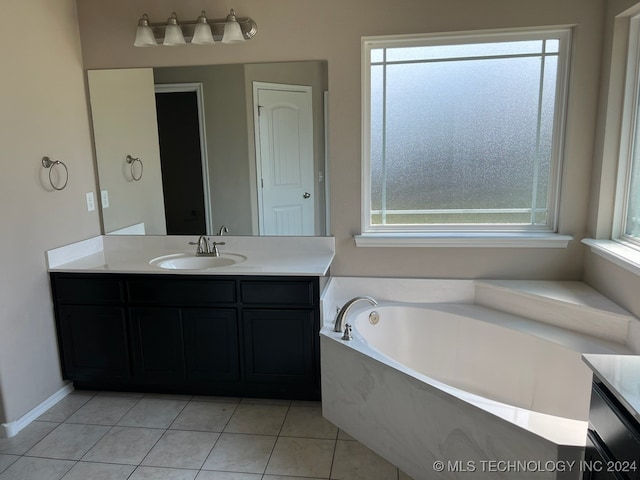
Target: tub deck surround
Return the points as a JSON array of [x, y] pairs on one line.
[[571, 305], [300, 256], [414, 420]]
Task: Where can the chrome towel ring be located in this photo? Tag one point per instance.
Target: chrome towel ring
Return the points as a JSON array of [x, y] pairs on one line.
[[131, 161], [48, 163]]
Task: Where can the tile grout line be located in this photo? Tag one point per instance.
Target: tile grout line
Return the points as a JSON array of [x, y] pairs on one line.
[[111, 427], [217, 440], [276, 442], [235, 408], [335, 449], [165, 429]]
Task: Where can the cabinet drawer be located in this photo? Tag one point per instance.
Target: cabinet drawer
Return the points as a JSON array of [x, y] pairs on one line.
[[617, 432], [287, 293], [87, 290], [182, 291]]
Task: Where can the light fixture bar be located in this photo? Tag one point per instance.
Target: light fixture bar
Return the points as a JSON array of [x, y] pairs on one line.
[[247, 25]]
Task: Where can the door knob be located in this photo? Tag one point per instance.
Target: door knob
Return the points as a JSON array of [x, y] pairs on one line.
[[306, 195]]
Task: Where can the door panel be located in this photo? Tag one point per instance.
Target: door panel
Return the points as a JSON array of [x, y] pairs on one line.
[[158, 344], [211, 344], [285, 158], [279, 346], [94, 341]]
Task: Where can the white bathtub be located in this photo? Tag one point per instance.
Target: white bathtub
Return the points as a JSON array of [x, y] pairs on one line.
[[457, 382]]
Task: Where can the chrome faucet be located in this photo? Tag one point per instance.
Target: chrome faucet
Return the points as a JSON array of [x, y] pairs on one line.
[[206, 248], [223, 230], [203, 246], [342, 313]]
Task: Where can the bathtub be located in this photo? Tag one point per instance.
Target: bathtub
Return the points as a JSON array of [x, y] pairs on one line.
[[440, 377]]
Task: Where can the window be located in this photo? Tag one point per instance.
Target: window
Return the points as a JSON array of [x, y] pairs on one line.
[[463, 133], [627, 215]]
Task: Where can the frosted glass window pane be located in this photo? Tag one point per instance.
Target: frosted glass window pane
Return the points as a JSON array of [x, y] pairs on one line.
[[377, 55], [463, 134], [553, 46], [377, 92], [545, 152], [437, 52], [468, 140]]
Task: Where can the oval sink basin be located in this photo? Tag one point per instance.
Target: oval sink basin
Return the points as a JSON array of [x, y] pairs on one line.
[[185, 261]]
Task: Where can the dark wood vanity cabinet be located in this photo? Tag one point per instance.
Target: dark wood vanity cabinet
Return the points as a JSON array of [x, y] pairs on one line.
[[241, 336], [613, 439]]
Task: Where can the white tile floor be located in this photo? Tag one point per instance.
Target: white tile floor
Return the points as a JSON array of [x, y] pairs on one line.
[[114, 436]]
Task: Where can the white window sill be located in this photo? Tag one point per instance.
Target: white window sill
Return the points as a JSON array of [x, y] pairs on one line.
[[616, 252], [464, 240]]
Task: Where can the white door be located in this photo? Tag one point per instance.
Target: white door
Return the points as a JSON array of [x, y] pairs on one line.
[[284, 155]]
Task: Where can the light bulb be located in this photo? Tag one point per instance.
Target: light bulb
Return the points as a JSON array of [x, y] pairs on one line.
[[144, 33], [232, 30], [202, 32], [173, 34]]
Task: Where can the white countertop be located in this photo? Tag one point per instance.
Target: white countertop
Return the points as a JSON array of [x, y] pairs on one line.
[[621, 375], [296, 256]]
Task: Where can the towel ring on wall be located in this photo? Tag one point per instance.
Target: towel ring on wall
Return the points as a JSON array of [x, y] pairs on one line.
[[132, 161], [48, 163]]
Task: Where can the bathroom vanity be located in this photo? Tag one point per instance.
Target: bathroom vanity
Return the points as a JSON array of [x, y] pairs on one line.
[[128, 325], [613, 439]]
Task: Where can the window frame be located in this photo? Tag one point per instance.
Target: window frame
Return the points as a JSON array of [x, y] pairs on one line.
[[628, 140], [468, 231]]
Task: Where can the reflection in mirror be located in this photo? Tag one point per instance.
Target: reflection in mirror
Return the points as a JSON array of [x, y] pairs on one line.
[[241, 146]]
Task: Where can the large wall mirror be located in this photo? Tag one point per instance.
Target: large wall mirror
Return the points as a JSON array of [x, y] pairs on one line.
[[188, 150]]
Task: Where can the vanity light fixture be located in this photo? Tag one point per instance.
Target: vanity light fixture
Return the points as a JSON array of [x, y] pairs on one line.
[[202, 31]]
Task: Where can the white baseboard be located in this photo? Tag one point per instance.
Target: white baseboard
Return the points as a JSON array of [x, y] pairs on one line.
[[12, 428]]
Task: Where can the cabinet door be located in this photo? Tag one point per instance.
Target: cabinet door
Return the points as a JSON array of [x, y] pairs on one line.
[[94, 342], [279, 346], [211, 344], [158, 345]]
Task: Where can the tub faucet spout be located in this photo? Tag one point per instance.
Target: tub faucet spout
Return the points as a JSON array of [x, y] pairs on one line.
[[342, 313]]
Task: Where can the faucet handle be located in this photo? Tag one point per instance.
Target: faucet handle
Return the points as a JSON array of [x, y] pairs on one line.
[[347, 332], [214, 248]]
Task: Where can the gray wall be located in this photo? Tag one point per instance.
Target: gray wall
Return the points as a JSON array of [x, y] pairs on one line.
[[43, 111]]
